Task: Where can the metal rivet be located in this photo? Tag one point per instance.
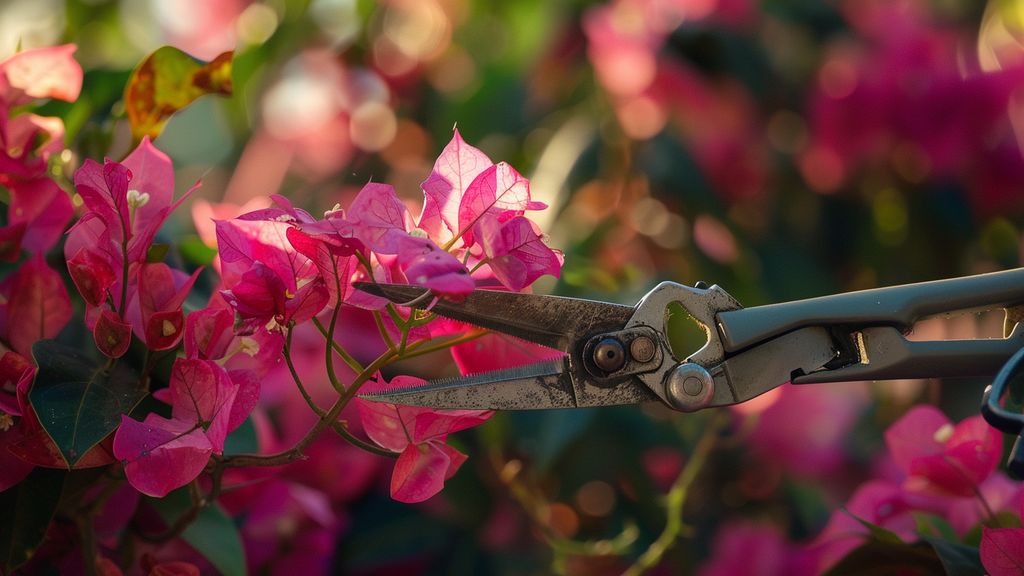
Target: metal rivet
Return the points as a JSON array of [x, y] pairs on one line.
[[689, 387], [692, 386], [609, 355], [642, 349]]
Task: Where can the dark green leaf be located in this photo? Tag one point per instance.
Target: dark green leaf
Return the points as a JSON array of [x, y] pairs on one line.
[[78, 401], [213, 534], [876, 531], [157, 253], [880, 558], [242, 440], [28, 509], [959, 559]]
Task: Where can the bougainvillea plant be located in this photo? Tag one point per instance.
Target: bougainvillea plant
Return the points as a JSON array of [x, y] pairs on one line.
[[279, 270], [162, 415]]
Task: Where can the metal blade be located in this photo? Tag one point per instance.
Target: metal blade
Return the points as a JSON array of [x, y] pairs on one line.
[[537, 386], [553, 321], [542, 385]]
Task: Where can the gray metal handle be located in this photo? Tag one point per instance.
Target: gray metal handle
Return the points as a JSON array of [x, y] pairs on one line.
[[890, 356], [898, 306]]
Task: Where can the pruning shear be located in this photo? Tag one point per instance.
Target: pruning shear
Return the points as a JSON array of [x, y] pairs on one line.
[[616, 354]]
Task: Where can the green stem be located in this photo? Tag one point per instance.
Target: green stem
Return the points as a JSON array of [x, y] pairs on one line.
[[675, 499], [379, 320], [287, 353], [329, 352], [325, 421], [343, 431], [337, 426], [351, 361]]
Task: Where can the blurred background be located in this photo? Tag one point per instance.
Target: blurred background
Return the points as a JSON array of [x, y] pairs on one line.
[[781, 149]]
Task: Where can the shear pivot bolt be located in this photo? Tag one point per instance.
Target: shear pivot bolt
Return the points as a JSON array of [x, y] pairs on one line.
[[689, 387], [642, 349], [609, 355]]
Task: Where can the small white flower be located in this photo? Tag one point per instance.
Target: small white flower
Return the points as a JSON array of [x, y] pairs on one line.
[[137, 199]]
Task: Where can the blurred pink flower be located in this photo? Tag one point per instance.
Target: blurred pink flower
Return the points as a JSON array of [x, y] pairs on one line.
[[755, 549], [999, 493], [805, 428], [648, 87], [905, 96], [878, 502], [38, 209], [942, 459], [204, 29]]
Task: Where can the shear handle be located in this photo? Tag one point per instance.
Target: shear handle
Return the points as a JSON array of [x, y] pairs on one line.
[[898, 306], [885, 354]]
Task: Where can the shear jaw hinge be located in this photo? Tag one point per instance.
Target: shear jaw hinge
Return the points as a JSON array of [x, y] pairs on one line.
[[689, 387]]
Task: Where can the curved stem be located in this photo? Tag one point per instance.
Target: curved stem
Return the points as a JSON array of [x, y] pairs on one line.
[[338, 427], [379, 321], [343, 431], [675, 499], [325, 421], [352, 362], [287, 353]]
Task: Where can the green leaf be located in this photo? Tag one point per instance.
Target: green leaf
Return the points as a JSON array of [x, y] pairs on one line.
[[880, 558], [78, 401], [929, 525], [157, 253], [242, 440], [877, 532], [167, 81], [213, 534], [28, 508], [196, 252], [959, 559]]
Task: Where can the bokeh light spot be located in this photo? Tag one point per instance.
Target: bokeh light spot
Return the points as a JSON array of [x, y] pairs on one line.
[[715, 240], [595, 498], [373, 126], [838, 78], [256, 24]]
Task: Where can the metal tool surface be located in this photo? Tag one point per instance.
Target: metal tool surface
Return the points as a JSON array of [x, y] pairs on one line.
[[616, 354]]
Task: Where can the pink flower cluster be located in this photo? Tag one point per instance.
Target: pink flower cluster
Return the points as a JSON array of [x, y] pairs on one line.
[[939, 468], [34, 304], [933, 468], [108, 251], [905, 93], [281, 267]]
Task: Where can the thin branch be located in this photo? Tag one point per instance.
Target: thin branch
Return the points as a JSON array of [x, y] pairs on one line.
[[676, 498], [343, 431], [287, 353], [352, 362], [325, 421], [379, 320], [182, 522]]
